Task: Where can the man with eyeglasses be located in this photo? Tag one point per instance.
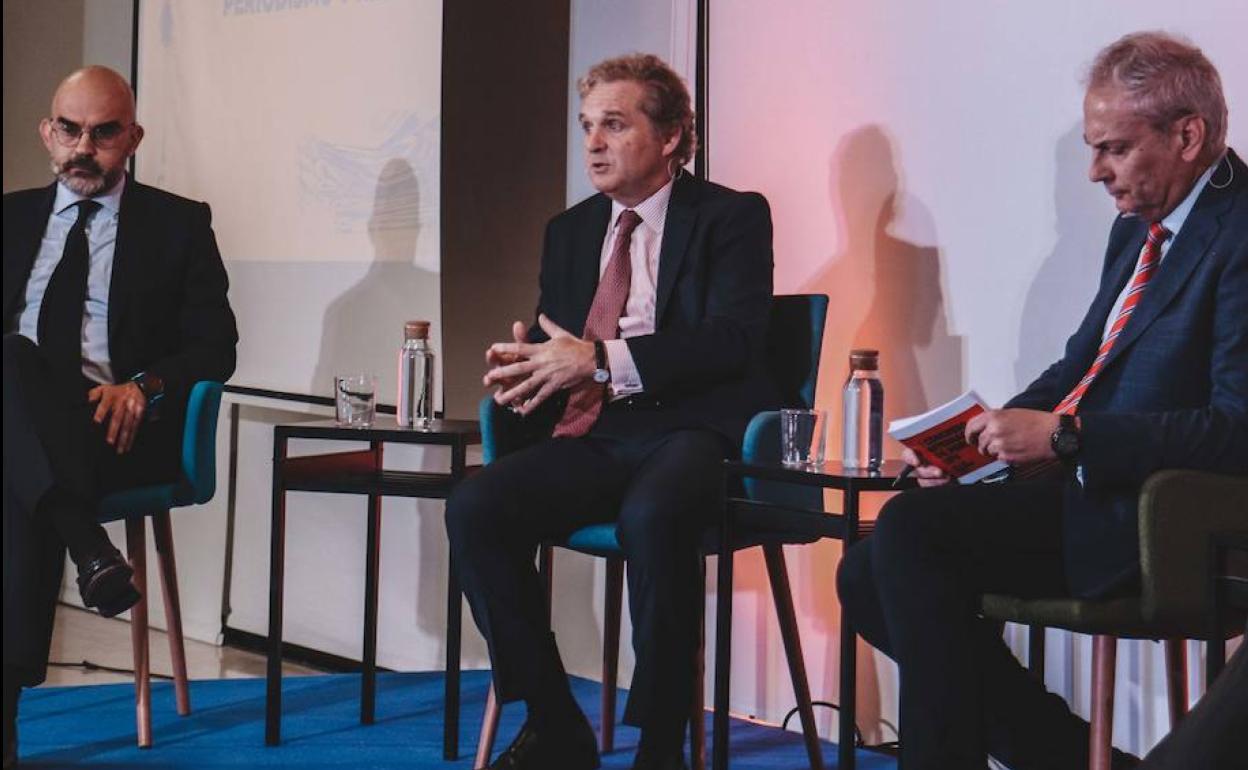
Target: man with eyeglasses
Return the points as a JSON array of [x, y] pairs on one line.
[[114, 306]]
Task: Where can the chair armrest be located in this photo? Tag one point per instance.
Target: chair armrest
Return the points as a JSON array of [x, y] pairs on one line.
[[1179, 511]]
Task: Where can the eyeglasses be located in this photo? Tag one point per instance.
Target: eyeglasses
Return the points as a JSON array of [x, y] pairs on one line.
[[105, 136]]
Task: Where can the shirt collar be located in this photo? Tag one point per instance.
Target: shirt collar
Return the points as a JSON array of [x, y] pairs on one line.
[[653, 210], [1175, 219], [109, 199]]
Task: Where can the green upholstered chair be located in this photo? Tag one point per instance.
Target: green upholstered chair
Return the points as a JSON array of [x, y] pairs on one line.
[[195, 485], [1179, 512], [794, 343]]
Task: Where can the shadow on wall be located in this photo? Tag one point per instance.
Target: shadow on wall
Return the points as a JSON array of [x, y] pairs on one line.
[[885, 287], [378, 304], [1065, 283]]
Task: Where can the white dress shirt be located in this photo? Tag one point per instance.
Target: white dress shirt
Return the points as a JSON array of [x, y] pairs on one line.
[[101, 233], [638, 317]]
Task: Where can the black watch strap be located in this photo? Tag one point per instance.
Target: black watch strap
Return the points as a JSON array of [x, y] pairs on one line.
[[600, 354]]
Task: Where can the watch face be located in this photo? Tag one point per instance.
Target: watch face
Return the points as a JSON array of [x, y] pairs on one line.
[[1066, 444], [601, 376]]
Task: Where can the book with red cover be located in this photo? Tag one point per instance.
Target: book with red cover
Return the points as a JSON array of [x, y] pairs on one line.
[[938, 437]]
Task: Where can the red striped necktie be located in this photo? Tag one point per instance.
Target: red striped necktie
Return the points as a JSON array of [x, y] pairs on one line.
[[602, 323], [1150, 256]]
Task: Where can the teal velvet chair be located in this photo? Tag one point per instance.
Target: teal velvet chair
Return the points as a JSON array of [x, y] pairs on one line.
[[195, 485], [795, 339]]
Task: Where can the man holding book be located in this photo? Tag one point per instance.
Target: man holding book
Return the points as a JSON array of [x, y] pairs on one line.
[[1156, 376]]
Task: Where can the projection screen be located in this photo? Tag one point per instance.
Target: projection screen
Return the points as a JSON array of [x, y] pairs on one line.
[[312, 127]]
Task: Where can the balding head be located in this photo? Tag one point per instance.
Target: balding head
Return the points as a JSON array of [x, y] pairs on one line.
[[98, 84], [91, 132]]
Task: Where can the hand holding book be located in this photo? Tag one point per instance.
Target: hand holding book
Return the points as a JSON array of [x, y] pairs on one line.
[[966, 440]]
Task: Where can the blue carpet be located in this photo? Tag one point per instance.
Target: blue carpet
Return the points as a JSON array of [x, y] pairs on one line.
[[94, 727]]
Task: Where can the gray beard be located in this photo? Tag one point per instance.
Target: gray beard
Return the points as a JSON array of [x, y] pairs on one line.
[[85, 186]]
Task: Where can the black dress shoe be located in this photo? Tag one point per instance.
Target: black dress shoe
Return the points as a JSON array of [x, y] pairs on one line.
[[570, 749], [104, 582]]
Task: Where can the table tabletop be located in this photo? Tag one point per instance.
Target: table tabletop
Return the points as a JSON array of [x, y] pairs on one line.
[[831, 475], [384, 428]]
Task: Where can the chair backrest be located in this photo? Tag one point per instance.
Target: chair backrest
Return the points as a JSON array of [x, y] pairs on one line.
[[794, 344], [199, 441]]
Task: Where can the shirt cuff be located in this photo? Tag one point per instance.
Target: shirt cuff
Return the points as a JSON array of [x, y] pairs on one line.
[[625, 379]]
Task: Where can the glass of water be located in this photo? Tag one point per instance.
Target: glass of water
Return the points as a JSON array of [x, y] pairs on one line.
[[355, 396], [802, 435]]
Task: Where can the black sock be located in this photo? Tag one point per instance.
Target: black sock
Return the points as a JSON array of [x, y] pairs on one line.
[[75, 523]]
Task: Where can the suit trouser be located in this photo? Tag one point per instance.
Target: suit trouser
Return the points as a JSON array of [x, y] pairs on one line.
[[1214, 736], [662, 490], [56, 465], [912, 590]]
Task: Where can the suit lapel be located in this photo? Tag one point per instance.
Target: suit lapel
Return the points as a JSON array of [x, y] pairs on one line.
[[127, 253], [25, 243], [586, 257], [1189, 248], [677, 229]]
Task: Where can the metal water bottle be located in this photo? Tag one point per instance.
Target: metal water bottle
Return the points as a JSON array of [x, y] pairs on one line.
[[862, 406], [415, 407]]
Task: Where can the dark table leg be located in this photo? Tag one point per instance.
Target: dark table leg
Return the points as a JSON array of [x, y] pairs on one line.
[[849, 652], [372, 574], [450, 700], [277, 552], [723, 643]]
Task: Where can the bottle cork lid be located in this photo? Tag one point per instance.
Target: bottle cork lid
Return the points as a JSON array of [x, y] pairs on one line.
[[864, 358], [416, 330]]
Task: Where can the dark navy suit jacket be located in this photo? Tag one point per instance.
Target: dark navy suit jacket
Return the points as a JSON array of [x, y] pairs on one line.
[[1173, 392], [705, 362]]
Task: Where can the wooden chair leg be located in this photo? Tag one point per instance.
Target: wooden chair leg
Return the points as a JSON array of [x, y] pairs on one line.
[[697, 708], [489, 730], [162, 533], [493, 709], [1104, 657], [1176, 679], [136, 549], [787, 617], [613, 604]]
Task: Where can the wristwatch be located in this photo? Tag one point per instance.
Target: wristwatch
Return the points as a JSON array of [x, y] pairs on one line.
[[1066, 441], [152, 387], [602, 374]]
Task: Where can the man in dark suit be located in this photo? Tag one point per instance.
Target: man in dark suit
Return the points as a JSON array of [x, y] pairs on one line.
[[114, 306], [1156, 376], [646, 360]]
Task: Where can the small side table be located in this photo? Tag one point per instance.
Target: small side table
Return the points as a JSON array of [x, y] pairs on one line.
[[360, 472], [845, 526]]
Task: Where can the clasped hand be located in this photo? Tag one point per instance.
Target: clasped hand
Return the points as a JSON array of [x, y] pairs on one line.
[[1015, 436], [123, 406], [524, 374]]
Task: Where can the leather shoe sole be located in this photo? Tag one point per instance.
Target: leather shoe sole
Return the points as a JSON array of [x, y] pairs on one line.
[[105, 584]]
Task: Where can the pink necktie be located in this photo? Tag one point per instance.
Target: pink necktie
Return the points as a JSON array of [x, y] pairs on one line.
[[1144, 270], [602, 323]]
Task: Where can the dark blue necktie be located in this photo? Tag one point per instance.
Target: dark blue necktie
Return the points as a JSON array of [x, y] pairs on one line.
[[60, 315]]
